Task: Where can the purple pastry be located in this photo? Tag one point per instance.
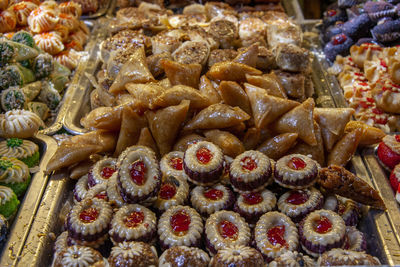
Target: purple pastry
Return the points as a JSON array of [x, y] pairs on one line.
[[358, 27], [332, 31], [339, 45], [386, 32], [378, 10], [367, 41], [332, 16], [347, 3]]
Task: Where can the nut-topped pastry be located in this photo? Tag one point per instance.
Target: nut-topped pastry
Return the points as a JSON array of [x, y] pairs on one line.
[[203, 163], [171, 164], [389, 151], [184, 256], [133, 254], [174, 191], [101, 171], [321, 231], [250, 171], [296, 171], [339, 257], [14, 174], [24, 150], [207, 200], [139, 177], [237, 255], [292, 259], [298, 203], [8, 202], [79, 256], [275, 234], [180, 226], [253, 205], [133, 223], [226, 228], [88, 222]]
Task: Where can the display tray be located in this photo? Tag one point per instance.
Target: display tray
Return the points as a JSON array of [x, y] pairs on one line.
[[21, 225]]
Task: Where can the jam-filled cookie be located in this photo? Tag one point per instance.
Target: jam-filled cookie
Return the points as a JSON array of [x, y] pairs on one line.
[[81, 188], [226, 228], [389, 151], [237, 255], [139, 177], [102, 171], [113, 191], [348, 209], [79, 256], [253, 205], [292, 259], [88, 222], [207, 200], [133, 254], [180, 226], [183, 256], [250, 171], [321, 231], [296, 171], [173, 191], [275, 234], [225, 180], [298, 203], [171, 164], [98, 191], [355, 240], [133, 223], [340, 257], [203, 163]]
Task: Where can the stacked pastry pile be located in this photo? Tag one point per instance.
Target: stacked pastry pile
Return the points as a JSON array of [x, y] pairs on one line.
[[56, 28], [371, 84]]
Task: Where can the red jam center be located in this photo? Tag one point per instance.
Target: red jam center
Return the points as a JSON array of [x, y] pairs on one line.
[[107, 172], [176, 163], [331, 13], [214, 194], [89, 215], [397, 138], [134, 219], [167, 191], [248, 164], [297, 164], [341, 209], [180, 221], [204, 155], [102, 195], [323, 225], [339, 39], [297, 198], [252, 198], [276, 235], [138, 171], [228, 230]]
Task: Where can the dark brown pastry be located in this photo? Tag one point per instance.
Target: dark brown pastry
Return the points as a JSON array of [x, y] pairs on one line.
[[290, 57]]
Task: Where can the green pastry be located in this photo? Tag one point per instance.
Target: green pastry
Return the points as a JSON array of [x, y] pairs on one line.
[[12, 98], [24, 150], [8, 202], [14, 174]]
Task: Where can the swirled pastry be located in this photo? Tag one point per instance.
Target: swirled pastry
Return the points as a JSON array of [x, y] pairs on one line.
[[8, 21], [24, 150], [42, 20], [69, 58], [49, 42], [14, 174], [69, 21], [22, 11], [19, 124], [79, 256], [72, 8]]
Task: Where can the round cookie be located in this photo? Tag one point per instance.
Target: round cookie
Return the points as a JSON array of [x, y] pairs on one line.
[[81, 188], [133, 254], [355, 240], [183, 256], [174, 191], [237, 255], [171, 164], [78, 256], [340, 257], [101, 171]]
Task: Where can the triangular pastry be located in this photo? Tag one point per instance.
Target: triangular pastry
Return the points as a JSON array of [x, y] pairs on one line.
[[174, 96], [345, 148], [332, 122], [146, 93], [237, 129], [269, 82], [165, 124], [231, 71], [217, 116], [266, 108], [185, 141], [234, 95], [186, 74], [146, 139], [276, 147], [103, 118], [248, 56], [230, 144], [207, 89], [299, 120], [371, 135]]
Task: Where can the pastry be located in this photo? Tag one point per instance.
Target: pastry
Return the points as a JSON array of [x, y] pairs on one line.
[[292, 58], [171, 164], [8, 203], [113, 191], [49, 42], [98, 191], [395, 177], [203, 163], [79, 256], [233, 94], [42, 20], [321, 231], [292, 259], [220, 55], [192, 53], [174, 191], [81, 188], [101, 171], [275, 234], [229, 143], [345, 148], [355, 240], [252, 206], [277, 146], [24, 150], [224, 31], [69, 58], [208, 200], [250, 171], [22, 11], [71, 8], [185, 141], [389, 151], [248, 55], [337, 257], [231, 71], [88, 6], [14, 174], [296, 171], [224, 229], [208, 89], [183, 255], [133, 223], [133, 254], [61, 243], [176, 94], [19, 124], [237, 255], [339, 45], [180, 226], [69, 21], [184, 74], [8, 21], [387, 31], [270, 82]]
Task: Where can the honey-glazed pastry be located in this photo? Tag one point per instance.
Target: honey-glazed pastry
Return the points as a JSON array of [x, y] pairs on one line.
[[133, 222], [147, 93], [298, 203], [166, 42], [248, 55], [114, 192], [174, 191], [270, 82], [14, 174], [71, 7], [24, 150], [219, 55], [8, 21], [88, 222], [81, 188], [208, 200], [233, 94], [203, 163], [178, 93], [139, 177], [19, 124], [133, 254], [79, 256], [22, 11], [146, 139], [224, 229], [296, 171], [224, 31], [101, 171], [292, 259], [237, 255], [231, 71], [42, 20], [49, 42], [277, 146], [293, 84], [185, 141], [267, 108], [217, 116], [229, 143], [9, 203], [192, 53], [320, 231], [69, 21], [180, 226], [88, 6], [252, 30], [355, 239], [63, 32], [253, 205], [171, 119], [185, 74], [4, 4], [339, 257], [250, 171], [183, 255], [389, 151], [154, 63], [345, 148], [290, 57], [275, 234]]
